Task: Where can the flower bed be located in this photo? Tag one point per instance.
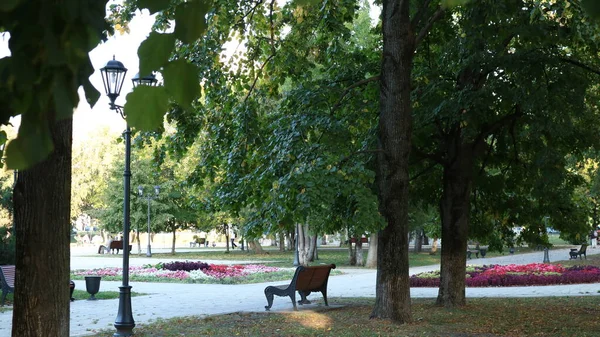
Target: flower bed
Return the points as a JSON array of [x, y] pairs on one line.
[[192, 272], [535, 274]]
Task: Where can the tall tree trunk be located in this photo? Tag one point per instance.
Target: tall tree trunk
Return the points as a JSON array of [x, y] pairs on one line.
[[312, 249], [174, 240], [454, 208], [42, 201], [351, 253], [372, 253], [137, 239], [434, 246], [315, 255], [418, 240], [255, 246], [281, 241], [226, 228], [392, 299], [291, 240], [303, 244], [360, 261]]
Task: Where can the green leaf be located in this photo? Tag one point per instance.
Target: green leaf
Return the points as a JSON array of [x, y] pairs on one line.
[[64, 96], [452, 3], [181, 81], [190, 20], [146, 107], [155, 51], [592, 8], [154, 5], [91, 93], [32, 145], [8, 5], [307, 2]]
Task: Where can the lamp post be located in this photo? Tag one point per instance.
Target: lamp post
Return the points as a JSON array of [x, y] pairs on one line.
[[149, 197], [113, 76]]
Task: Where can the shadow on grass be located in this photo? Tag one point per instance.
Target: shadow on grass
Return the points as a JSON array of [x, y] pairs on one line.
[[562, 316]]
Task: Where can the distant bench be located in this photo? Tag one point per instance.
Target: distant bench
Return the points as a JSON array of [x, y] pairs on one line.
[[114, 245], [305, 281], [117, 245], [201, 242]]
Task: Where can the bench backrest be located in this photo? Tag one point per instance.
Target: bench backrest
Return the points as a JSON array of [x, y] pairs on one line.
[[116, 245], [312, 278], [583, 248], [8, 276]]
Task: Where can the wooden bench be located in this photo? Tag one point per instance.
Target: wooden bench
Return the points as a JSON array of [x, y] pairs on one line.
[[7, 276], [305, 281], [200, 242], [574, 253], [7, 280], [117, 245]]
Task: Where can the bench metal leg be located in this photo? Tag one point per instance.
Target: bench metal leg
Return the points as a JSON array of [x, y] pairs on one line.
[[303, 299], [324, 292], [270, 291], [269, 296]]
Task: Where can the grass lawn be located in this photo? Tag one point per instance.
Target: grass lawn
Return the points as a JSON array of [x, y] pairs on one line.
[[548, 317]]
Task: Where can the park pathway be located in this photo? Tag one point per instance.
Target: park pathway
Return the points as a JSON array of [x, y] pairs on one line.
[[168, 300]]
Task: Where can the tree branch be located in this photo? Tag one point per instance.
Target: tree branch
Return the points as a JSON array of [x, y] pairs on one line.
[[272, 28], [494, 127], [423, 32], [257, 76], [420, 13], [249, 13], [345, 160], [427, 169], [347, 90], [580, 65]]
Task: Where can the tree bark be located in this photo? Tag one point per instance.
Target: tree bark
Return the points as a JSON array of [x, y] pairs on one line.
[[174, 240], [418, 240], [137, 239], [392, 299], [351, 253], [434, 246], [312, 248], [372, 253], [42, 199], [255, 246], [360, 261], [291, 241], [454, 210], [303, 244], [281, 241]]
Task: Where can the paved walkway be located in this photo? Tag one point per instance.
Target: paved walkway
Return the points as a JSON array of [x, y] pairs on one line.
[[167, 300]]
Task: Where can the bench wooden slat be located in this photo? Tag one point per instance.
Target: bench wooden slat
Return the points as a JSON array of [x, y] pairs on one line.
[[7, 278], [305, 281], [8, 272]]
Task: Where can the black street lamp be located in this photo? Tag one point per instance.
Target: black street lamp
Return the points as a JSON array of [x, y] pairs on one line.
[[113, 76], [149, 197]]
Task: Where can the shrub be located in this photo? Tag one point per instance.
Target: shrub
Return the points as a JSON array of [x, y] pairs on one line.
[[516, 275], [185, 265]]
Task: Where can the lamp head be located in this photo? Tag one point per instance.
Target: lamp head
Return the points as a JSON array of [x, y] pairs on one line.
[[113, 76]]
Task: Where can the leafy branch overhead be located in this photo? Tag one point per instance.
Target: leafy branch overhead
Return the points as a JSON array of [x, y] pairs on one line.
[[181, 80], [49, 62]]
